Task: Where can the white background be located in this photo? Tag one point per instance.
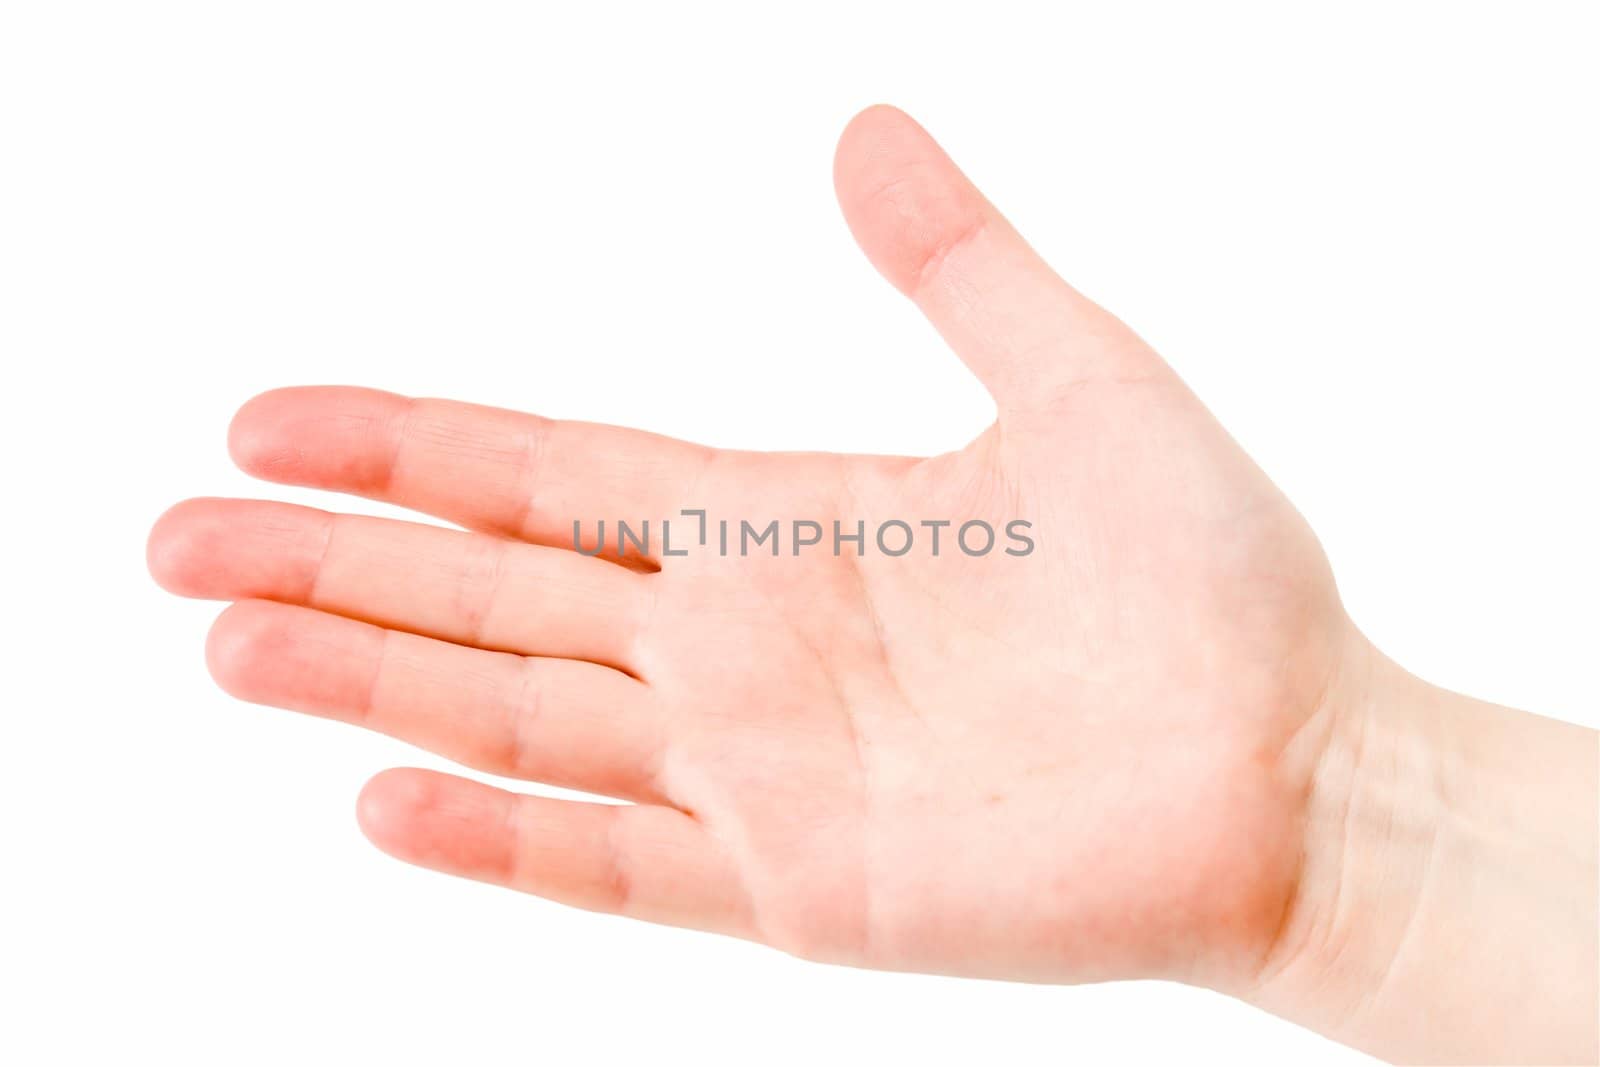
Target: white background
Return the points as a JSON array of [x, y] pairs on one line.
[[1366, 237]]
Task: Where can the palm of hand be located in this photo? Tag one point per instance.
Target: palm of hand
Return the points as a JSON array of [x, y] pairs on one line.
[[1082, 763]]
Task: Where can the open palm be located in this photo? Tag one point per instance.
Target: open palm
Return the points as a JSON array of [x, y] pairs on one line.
[[1090, 760]]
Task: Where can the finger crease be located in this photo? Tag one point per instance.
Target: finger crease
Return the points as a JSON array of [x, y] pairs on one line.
[[533, 450], [619, 880], [934, 261], [526, 709], [480, 610]]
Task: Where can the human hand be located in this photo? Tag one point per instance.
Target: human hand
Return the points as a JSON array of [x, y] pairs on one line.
[[1078, 763], [1096, 760]]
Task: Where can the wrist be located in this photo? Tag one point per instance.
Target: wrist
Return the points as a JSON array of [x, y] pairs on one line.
[[1446, 904]]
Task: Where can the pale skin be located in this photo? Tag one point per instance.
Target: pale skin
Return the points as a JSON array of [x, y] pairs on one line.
[[1155, 747]]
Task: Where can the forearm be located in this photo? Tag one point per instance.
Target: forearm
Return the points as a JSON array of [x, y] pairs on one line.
[[1447, 905]]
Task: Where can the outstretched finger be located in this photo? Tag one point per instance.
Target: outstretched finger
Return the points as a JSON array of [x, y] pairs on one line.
[[645, 862], [560, 721], [467, 588], [1028, 335], [488, 469]]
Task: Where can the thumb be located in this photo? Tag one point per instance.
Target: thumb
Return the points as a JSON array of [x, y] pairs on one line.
[[1028, 336]]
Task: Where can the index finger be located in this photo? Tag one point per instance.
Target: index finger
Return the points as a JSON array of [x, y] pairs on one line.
[[485, 468]]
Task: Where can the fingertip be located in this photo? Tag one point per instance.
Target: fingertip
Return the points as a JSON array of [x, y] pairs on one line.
[[870, 120], [255, 441], [177, 545], [318, 435], [239, 638], [866, 138], [293, 657], [902, 196], [388, 803], [438, 820]]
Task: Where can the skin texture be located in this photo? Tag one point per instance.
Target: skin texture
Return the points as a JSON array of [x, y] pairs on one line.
[[1109, 758]]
